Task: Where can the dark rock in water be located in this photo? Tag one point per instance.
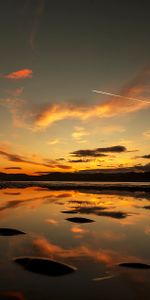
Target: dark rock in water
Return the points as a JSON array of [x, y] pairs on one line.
[[44, 266], [135, 265], [10, 231], [79, 220]]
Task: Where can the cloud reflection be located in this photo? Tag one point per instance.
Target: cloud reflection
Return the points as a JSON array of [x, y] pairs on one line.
[[105, 256]]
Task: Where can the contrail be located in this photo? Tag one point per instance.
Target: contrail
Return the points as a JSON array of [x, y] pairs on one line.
[[120, 96]]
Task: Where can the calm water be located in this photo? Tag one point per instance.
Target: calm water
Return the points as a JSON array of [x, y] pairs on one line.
[[120, 233]]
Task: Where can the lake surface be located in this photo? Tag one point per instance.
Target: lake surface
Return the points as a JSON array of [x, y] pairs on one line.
[[120, 233]]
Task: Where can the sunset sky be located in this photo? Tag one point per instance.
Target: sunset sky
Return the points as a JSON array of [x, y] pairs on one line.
[[54, 54]]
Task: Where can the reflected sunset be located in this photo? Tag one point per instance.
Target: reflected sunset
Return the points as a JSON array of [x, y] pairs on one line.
[[121, 220]]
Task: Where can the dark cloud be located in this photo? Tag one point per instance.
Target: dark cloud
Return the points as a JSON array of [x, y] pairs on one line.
[[136, 169], [93, 153], [142, 168], [12, 157], [118, 148], [79, 160], [22, 159], [55, 164], [99, 152], [146, 156], [64, 167]]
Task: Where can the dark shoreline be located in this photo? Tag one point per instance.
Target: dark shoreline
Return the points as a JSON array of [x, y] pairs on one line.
[[67, 186], [80, 176]]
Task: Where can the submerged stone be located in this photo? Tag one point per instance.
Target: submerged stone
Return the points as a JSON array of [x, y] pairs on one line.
[[44, 266], [79, 220], [10, 231], [134, 265]]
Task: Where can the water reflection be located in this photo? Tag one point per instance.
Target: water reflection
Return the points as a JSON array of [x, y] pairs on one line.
[[120, 233]]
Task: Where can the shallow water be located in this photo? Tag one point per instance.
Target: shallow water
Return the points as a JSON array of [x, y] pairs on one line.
[[120, 233]]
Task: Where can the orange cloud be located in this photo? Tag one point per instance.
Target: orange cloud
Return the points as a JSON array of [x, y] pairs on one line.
[[108, 108], [21, 74], [61, 112]]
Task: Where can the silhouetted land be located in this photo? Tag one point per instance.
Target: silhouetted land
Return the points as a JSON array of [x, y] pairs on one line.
[[79, 176]]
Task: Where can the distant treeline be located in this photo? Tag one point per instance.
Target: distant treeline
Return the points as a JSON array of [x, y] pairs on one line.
[[79, 176]]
